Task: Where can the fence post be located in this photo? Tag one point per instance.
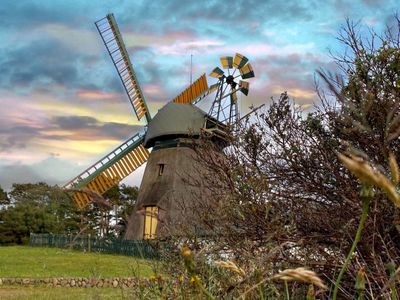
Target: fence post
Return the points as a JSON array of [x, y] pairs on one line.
[[89, 241]]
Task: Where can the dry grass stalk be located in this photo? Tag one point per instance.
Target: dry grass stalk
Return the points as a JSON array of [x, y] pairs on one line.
[[394, 168], [301, 275], [368, 175], [230, 265], [392, 280]]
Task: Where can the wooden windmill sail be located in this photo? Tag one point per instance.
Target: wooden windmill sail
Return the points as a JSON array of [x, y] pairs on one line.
[[166, 134]]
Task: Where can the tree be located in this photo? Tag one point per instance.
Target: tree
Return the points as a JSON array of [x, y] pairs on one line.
[[3, 197], [281, 197], [108, 214], [37, 208], [128, 199]]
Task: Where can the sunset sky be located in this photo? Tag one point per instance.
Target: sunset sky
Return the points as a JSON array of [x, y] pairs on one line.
[[62, 106]]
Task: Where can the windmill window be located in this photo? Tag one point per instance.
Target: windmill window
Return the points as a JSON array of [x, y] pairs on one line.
[[150, 222], [160, 169]]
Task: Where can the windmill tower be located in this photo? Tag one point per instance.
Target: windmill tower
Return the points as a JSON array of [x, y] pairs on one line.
[[169, 134]]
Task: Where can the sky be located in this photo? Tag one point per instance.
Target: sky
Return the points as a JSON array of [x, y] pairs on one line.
[[62, 106]]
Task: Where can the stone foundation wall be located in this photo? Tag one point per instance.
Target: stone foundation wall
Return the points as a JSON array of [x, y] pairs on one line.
[[72, 282]]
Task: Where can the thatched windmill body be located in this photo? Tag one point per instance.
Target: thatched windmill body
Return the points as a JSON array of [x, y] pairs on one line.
[[170, 134]]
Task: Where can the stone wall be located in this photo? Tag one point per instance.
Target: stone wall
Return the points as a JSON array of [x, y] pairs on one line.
[[72, 282]]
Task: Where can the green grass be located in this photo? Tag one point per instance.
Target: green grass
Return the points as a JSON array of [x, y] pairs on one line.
[[34, 262], [44, 293]]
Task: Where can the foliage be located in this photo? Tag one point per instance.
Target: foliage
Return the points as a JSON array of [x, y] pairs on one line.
[[112, 222], [3, 197], [282, 199], [40, 208], [123, 198], [37, 208]]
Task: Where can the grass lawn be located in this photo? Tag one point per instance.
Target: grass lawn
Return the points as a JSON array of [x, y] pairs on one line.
[[35, 262], [43, 293]]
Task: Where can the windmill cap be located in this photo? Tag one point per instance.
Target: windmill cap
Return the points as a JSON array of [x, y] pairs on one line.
[[174, 120]]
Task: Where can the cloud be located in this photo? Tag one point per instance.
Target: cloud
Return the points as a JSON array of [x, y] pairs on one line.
[[196, 17], [51, 170], [61, 96], [97, 95], [372, 2], [277, 73], [28, 14], [39, 63], [17, 137], [89, 128], [83, 40], [15, 173], [64, 128], [75, 122], [180, 47]]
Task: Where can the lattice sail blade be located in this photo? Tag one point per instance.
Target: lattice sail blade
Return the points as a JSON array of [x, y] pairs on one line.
[[194, 91], [244, 87], [213, 88], [227, 62], [109, 170], [217, 73], [239, 61], [247, 71], [109, 32], [210, 90]]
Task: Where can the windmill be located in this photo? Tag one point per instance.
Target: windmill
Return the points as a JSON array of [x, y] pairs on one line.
[[168, 134]]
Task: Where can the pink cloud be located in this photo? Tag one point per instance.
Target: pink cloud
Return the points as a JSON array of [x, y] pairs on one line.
[[218, 47], [182, 47], [153, 90], [96, 95]]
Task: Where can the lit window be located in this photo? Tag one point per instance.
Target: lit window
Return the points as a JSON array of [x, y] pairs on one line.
[[150, 222], [160, 169]]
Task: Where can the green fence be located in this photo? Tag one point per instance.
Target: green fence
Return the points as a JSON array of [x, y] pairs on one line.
[[140, 248]]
